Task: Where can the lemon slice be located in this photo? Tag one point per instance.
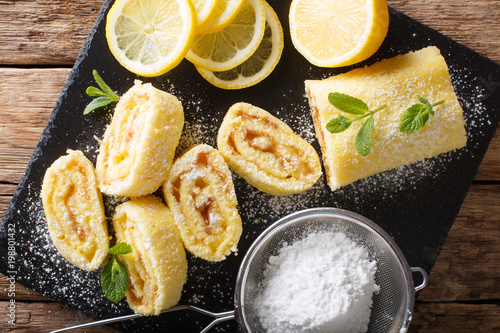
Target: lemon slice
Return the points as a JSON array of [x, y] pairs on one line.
[[205, 9], [224, 12], [334, 33], [232, 45], [260, 64], [150, 37]]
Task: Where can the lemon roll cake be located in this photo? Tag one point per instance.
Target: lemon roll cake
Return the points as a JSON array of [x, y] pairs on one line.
[[201, 194], [266, 152], [75, 211], [396, 83], [157, 265], [138, 147]]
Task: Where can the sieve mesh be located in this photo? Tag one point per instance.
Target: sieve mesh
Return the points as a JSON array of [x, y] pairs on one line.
[[392, 306]]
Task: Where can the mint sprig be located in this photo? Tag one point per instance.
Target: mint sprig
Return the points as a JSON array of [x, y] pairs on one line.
[[355, 106], [114, 277], [412, 120], [363, 139], [415, 117], [104, 96]]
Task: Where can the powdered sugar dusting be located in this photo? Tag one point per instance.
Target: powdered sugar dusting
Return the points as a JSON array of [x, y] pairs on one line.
[[322, 283]]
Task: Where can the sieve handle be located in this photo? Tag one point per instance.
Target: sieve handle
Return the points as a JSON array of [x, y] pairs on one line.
[[219, 317], [424, 277]]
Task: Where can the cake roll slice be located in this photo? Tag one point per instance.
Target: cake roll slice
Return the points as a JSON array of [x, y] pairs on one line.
[[74, 209], [157, 265], [395, 82], [200, 193], [266, 152], [138, 147]]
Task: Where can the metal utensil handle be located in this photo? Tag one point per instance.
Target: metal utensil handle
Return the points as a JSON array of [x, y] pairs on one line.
[[219, 317], [424, 277]]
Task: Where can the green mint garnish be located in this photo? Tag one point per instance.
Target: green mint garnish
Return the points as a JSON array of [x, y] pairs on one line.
[[338, 124], [348, 103], [114, 277], [104, 96], [355, 106], [363, 139], [415, 117], [412, 120], [122, 248]]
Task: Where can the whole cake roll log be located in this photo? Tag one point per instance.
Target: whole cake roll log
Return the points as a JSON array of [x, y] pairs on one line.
[[394, 82], [200, 192], [138, 147], [157, 266], [74, 210], [266, 152]]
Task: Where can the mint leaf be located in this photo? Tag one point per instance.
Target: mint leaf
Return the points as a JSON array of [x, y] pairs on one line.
[[354, 106], [109, 92], [363, 139], [93, 91], [347, 103], [414, 118], [338, 124], [114, 280], [104, 96], [96, 103], [122, 248], [426, 103]]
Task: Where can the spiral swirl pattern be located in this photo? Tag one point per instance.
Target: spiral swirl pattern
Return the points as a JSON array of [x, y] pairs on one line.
[[75, 212], [157, 266], [138, 147], [200, 192], [266, 152]]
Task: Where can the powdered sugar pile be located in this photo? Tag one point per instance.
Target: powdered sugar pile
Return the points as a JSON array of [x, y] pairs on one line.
[[322, 283]]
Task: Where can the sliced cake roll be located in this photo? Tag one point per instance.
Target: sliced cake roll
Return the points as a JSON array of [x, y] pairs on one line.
[[138, 147], [157, 265], [75, 212], [266, 152], [200, 192], [397, 83]]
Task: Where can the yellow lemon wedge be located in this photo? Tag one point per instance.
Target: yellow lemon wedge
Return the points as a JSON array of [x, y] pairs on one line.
[[224, 12], [334, 33], [260, 64], [150, 37], [232, 45], [205, 9]]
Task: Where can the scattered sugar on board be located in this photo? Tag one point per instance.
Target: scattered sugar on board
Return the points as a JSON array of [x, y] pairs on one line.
[[322, 283], [43, 265]]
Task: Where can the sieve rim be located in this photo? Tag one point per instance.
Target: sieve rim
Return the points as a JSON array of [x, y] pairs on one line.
[[337, 212]]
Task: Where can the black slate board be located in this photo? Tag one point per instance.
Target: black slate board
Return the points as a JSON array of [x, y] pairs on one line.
[[415, 204]]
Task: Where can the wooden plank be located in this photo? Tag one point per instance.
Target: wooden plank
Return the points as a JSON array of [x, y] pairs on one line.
[[45, 32], [30, 98], [53, 31], [427, 317], [455, 317], [468, 266], [20, 292], [489, 169], [44, 317], [474, 24]]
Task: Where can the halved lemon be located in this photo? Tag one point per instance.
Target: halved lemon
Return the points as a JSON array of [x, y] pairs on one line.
[[334, 33], [224, 12], [205, 9], [260, 64], [232, 45], [150, 37]]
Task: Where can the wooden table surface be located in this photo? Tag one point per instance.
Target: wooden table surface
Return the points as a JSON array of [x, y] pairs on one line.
[[39, 42]]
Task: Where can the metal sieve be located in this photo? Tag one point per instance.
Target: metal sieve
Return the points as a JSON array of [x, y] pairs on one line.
[[392, 305]]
